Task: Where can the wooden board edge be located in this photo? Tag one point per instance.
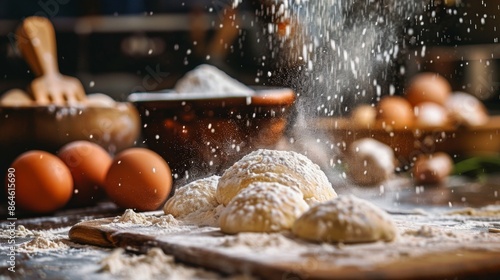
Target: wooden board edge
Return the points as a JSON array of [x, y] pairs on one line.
[[92, 232]]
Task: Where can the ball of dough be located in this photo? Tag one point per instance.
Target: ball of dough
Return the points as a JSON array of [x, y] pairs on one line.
[[346, 219], [285, 167], [263, 207], [369, 161], [196, 196]]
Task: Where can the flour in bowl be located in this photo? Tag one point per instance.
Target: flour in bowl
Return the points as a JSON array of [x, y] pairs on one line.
[[210, 80]]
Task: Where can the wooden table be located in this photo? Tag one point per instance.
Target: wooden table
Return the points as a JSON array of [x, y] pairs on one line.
[[397, 197]]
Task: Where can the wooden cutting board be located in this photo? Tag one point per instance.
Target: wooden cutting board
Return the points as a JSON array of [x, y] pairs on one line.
[[429, 247]]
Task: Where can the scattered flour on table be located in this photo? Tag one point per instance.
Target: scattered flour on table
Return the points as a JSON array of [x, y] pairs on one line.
[[41, 240], [130, 217], [154, 265], [487, 211], [259, 241], [43, 243], [20, 231]]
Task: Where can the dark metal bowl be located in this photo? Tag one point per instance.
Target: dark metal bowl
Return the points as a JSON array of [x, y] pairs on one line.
[[200, 133]]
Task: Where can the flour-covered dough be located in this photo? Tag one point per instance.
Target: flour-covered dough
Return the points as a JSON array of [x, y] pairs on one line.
[[285, 167], [196, 196], [346, 219], [263, 207]]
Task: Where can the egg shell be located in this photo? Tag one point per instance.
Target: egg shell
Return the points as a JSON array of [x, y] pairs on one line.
[[138, 178], [428, 87], [88, 164], [43, 182], [394, 112]]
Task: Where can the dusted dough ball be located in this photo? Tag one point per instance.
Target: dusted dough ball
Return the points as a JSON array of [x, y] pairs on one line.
[[369, 161], [196, 196], [285, 167], [346, 219], [263, 207]]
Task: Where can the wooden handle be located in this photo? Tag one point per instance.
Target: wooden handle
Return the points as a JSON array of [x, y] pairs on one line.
[[37, 42]]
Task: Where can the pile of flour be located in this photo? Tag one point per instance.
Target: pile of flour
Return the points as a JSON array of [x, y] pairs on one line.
[[208, 79], [41, 240]]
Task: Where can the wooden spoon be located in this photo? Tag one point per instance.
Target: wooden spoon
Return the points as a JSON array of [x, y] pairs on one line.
[[37, 43]]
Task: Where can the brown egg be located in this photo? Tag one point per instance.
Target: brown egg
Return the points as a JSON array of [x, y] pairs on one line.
[[139, 179], [428, 87], [395, 112], [43, 182], [88, 164], [432, 169], [364, 116]]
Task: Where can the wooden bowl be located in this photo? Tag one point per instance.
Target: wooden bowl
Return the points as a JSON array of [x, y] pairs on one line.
[[201, 133], [411, 142], [50, 127]]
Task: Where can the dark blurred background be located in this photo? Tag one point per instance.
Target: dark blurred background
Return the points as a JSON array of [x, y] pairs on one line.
[[460, 40], [118, 47]]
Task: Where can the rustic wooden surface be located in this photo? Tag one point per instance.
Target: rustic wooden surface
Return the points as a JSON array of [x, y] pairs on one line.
[[87, 228], [457, 264]]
